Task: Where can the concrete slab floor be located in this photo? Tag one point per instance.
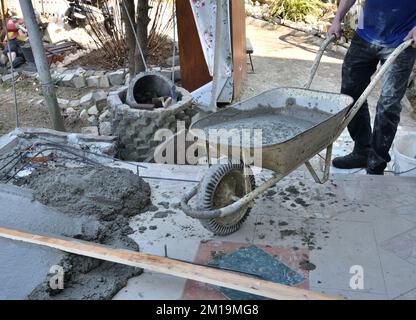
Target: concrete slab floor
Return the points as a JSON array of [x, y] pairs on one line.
[[362, 221]]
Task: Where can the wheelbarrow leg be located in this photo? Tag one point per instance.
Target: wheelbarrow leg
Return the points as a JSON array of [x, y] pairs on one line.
[[326, 168]]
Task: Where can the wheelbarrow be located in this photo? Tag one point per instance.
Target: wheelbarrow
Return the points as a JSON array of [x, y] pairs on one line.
[[226, 193]]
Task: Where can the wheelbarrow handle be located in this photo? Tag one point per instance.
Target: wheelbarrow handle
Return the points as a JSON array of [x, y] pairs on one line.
[[318, 59], [377, 77], [230, 209]]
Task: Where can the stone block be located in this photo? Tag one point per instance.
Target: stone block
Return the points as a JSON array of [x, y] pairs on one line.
[[79, 82], [105, 128], [93, 111], [103, 82], [75, 104], [87, 100], [114, 101], [170, 59], [90, 130], [84, 115], [93, 120], [67, 80], [100, 98], [63, 103], [92, 82], [105, 116], [116, 78]]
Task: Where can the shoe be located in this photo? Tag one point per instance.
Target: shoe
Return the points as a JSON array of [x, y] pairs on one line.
[[351, 161], [375, 172]]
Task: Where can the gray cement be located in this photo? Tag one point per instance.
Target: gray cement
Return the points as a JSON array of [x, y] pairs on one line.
[[277, 124], [95, 205]]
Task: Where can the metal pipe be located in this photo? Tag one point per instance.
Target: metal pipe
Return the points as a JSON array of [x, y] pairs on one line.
[[318, 58], [216, 71], [135, 35], [42, 64]]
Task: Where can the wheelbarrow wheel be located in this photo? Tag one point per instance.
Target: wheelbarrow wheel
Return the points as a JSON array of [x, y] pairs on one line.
[[221, 186]]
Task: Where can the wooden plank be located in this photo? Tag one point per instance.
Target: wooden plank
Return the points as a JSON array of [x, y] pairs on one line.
[[238, 38], [168, 266], [194, 69]]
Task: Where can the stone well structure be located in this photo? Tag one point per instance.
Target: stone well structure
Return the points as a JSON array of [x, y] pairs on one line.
[[135, 128]]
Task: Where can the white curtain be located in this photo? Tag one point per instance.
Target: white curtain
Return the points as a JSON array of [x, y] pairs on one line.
[[205, 12]]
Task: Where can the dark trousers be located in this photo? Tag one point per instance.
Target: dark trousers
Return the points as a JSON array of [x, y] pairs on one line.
[[359, 65]]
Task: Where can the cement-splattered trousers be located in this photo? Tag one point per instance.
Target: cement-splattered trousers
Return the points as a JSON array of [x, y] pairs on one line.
[[359, 65]]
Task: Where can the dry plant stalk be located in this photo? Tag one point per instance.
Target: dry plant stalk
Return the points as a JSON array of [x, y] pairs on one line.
[[113, 45]]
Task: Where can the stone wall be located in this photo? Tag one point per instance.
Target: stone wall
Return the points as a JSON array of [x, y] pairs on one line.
[[136, 128]]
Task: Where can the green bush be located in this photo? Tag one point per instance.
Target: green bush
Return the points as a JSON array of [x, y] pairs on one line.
[[296, 10]]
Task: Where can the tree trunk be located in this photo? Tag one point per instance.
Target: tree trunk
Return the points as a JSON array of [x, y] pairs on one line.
[[130, 39], [142, 33]]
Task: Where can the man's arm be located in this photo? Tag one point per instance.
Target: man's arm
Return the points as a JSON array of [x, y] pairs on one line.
[[344, 7], [412, 35]]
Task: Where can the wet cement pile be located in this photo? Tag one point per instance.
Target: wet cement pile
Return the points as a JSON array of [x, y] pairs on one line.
[[277, 124], [88, 203]]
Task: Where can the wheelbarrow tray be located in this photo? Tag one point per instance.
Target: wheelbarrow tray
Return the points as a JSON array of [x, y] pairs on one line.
[[293, 150]]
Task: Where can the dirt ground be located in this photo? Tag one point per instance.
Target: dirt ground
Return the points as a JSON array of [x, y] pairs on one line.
[[283, 57], [94, 60], [32, 111]]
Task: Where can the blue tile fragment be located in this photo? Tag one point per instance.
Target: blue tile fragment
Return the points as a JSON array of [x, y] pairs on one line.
[[257, 263]]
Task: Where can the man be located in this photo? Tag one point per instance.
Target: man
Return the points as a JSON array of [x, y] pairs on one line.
[[383, 27], [13, 40]]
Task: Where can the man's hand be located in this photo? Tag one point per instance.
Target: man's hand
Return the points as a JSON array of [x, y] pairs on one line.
[[335, 29], [412, 35]]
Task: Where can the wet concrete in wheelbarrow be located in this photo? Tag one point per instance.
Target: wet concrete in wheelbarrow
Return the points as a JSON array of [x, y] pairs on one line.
[[92, 204]]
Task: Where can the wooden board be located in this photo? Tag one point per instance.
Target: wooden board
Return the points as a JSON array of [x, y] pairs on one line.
[[238, 38], [168, 266], [194, 69]]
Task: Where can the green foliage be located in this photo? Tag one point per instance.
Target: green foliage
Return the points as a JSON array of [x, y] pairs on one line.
[[296, 10]]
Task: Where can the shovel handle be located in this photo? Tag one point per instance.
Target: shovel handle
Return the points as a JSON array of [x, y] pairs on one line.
[[377, 77], [318, 59]]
